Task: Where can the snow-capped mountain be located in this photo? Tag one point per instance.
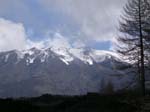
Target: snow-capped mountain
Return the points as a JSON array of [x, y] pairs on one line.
[[59, 71]]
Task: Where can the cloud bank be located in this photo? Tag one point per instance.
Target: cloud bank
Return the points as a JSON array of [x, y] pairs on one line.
[[13, 36], [72, 22], [97, 19]]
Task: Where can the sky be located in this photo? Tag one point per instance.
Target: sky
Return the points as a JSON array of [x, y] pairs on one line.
[[61, 23]]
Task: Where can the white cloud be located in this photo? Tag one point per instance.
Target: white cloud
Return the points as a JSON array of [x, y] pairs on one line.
[[78, 44], [12, 35], [31, 44], [57, 41], [114, 43], [93, 19], [97, 18]]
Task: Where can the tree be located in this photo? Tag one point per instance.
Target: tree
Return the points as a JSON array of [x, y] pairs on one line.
[[132, 40], [109, 88], [106, 87]]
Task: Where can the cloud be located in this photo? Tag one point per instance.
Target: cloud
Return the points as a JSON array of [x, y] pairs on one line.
[[78, 44], [55, 40], [32, 44], [78, 21], [97, 19], [12, 35]]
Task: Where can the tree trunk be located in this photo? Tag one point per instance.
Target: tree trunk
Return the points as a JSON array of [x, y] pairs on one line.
[[142, 75]]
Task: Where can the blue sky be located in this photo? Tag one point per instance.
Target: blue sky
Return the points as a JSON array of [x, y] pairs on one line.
[[93, 24]]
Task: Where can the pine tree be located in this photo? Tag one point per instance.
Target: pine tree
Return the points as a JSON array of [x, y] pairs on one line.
[[132, 40]]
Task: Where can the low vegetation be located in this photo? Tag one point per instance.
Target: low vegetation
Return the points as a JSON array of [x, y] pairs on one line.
[[91, 102]]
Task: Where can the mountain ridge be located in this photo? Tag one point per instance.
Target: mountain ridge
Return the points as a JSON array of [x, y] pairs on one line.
[[66, 55]]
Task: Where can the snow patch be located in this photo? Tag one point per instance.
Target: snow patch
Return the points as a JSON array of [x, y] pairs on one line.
[[64, 53], [64, 61], [20, 55], [30, 52], [79, 53], [44, 56], [6, 58]]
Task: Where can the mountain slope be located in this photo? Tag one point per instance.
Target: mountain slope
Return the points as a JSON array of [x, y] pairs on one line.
[[59, 71]]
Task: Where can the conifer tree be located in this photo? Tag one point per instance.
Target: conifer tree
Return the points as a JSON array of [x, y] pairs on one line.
[[132, 41]]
